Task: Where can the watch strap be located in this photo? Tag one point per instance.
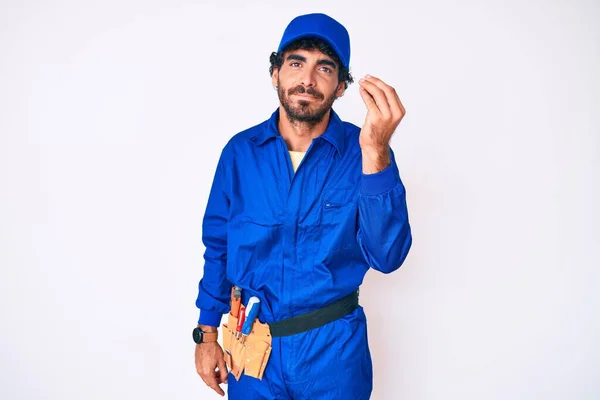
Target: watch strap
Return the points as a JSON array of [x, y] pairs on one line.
[[209, 336]]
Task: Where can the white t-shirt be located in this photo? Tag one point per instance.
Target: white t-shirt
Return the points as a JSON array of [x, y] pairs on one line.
[[296, 157]]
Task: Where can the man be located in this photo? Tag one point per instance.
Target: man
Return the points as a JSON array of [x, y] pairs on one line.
[[300, 208]]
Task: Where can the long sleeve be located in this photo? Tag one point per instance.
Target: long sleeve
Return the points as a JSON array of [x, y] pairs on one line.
[[384, 232], [214, 289]]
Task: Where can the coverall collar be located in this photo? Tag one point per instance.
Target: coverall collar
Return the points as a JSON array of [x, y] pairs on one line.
[[334, 133]]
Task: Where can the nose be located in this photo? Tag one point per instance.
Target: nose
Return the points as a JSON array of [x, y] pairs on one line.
[[308, 78]]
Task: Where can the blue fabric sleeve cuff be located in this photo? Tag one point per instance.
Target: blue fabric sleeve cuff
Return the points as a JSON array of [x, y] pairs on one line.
[[380, 182], [210, 318]]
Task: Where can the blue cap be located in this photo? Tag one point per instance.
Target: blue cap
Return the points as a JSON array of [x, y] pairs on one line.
[[319, 26]]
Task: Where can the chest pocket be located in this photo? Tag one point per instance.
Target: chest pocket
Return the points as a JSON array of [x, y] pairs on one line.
[[339, 214], [338, 207]]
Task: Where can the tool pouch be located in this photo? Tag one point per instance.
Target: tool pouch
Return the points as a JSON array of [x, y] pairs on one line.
[[250, 357]]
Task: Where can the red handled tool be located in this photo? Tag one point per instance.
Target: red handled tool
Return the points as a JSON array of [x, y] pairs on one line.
[[241, 319]]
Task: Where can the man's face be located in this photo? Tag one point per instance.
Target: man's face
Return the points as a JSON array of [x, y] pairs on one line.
[[307, 85]]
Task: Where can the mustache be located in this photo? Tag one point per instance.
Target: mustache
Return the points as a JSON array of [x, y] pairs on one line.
[[301, 90]]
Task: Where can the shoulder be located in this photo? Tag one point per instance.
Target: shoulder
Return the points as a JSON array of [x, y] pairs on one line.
[[241, 140]]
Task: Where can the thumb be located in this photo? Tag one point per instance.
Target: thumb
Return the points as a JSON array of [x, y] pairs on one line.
[[368, 99], [222, 369]]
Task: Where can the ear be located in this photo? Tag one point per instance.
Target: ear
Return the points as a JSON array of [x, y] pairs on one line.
[[340, 90], [275, 76]]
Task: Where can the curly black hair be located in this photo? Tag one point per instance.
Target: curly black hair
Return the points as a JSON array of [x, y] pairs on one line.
[[312, 44]]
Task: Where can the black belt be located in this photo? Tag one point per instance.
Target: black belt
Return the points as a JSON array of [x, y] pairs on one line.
[[317, 318]]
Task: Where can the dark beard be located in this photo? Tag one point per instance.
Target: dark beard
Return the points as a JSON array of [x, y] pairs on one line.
[[301, 113]]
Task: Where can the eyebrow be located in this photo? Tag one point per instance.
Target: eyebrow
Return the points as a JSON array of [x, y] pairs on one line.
[[303, 59]]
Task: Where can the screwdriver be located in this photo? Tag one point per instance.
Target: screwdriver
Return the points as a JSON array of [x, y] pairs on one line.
[[240, 323], [251, 314]]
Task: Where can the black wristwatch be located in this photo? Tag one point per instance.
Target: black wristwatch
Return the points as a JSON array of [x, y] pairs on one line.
[[204, 337]]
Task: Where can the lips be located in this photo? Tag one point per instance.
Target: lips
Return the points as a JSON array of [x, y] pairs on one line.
[[305, 96], [309, 93]]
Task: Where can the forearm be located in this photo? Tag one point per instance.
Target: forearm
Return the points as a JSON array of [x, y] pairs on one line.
[[384, 232], [384, 235], [207, 328], [213, 291]]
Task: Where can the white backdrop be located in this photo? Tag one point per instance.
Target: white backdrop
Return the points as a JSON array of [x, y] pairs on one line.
[[113, 115]]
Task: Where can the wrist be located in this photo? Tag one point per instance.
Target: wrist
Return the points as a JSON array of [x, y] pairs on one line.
[[375, 149], [201, 334], [375, 159]]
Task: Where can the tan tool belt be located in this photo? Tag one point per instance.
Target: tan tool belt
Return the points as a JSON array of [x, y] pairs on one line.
[[250, 357]]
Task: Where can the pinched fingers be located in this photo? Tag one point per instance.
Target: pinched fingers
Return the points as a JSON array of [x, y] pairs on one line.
[[396, 107], [378, 95], [369, 101]]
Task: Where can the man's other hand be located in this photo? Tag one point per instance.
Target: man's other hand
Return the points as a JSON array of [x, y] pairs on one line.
[[210, 365]]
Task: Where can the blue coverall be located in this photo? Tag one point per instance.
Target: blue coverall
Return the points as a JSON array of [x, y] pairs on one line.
[[299, 241]]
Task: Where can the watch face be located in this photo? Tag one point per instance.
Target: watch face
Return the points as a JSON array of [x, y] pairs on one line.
[[197, 335]]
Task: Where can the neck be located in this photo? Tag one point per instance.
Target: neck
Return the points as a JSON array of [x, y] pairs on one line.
[[298, 135]]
